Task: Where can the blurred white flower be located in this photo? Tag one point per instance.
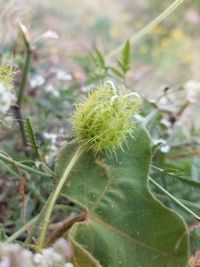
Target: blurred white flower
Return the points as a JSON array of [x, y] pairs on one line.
[[53, 148], [37, 80], [37, 258], [50, 35], [50, 256], [64, 248], [193, 91], [49, 88], [50, 136], [15, 255], [165, 149], [7, 97], [158, 141], [68, 265], [62, 75], [5, 262]]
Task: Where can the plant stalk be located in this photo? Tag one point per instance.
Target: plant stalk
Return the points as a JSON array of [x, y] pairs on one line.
[[19, 117], [64, 227], [24, 76], [148, 28], [178, 202], [20, 231], [22, 166], [30, 185], [47, 210], [17, 108]]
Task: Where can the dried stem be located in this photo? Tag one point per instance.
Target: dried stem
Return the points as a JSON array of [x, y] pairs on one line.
[[65, 226]]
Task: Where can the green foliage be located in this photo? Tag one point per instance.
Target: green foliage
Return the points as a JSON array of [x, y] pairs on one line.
[[31, 135], [124, 63], [96, 66], [125, 224]]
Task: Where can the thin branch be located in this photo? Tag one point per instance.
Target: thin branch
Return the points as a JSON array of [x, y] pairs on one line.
[[30, 185], [174, 199], [19, 117], [22, 166], [65, 226], [29, 50], [42, 223], [183, 179], [148, 28], [17, 108], [20, 231]]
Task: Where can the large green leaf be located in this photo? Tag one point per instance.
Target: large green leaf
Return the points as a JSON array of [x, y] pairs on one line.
[[126, 225]]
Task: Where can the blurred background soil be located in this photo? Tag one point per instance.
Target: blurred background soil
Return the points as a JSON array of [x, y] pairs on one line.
[[170, 54]]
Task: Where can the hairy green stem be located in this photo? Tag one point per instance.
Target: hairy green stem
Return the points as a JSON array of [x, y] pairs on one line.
[[186, 202], [55, 195], [19, 117], [174, 199], [183, 179], [30, 185], [22, 166], [148, 28], [17, 107], [20, 231], [47, 210], [24, 76]]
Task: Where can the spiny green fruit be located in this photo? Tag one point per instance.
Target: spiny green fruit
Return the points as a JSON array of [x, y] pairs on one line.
[[103, 121]]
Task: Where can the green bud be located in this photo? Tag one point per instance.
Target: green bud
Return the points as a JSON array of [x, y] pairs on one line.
[[105, 119]]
